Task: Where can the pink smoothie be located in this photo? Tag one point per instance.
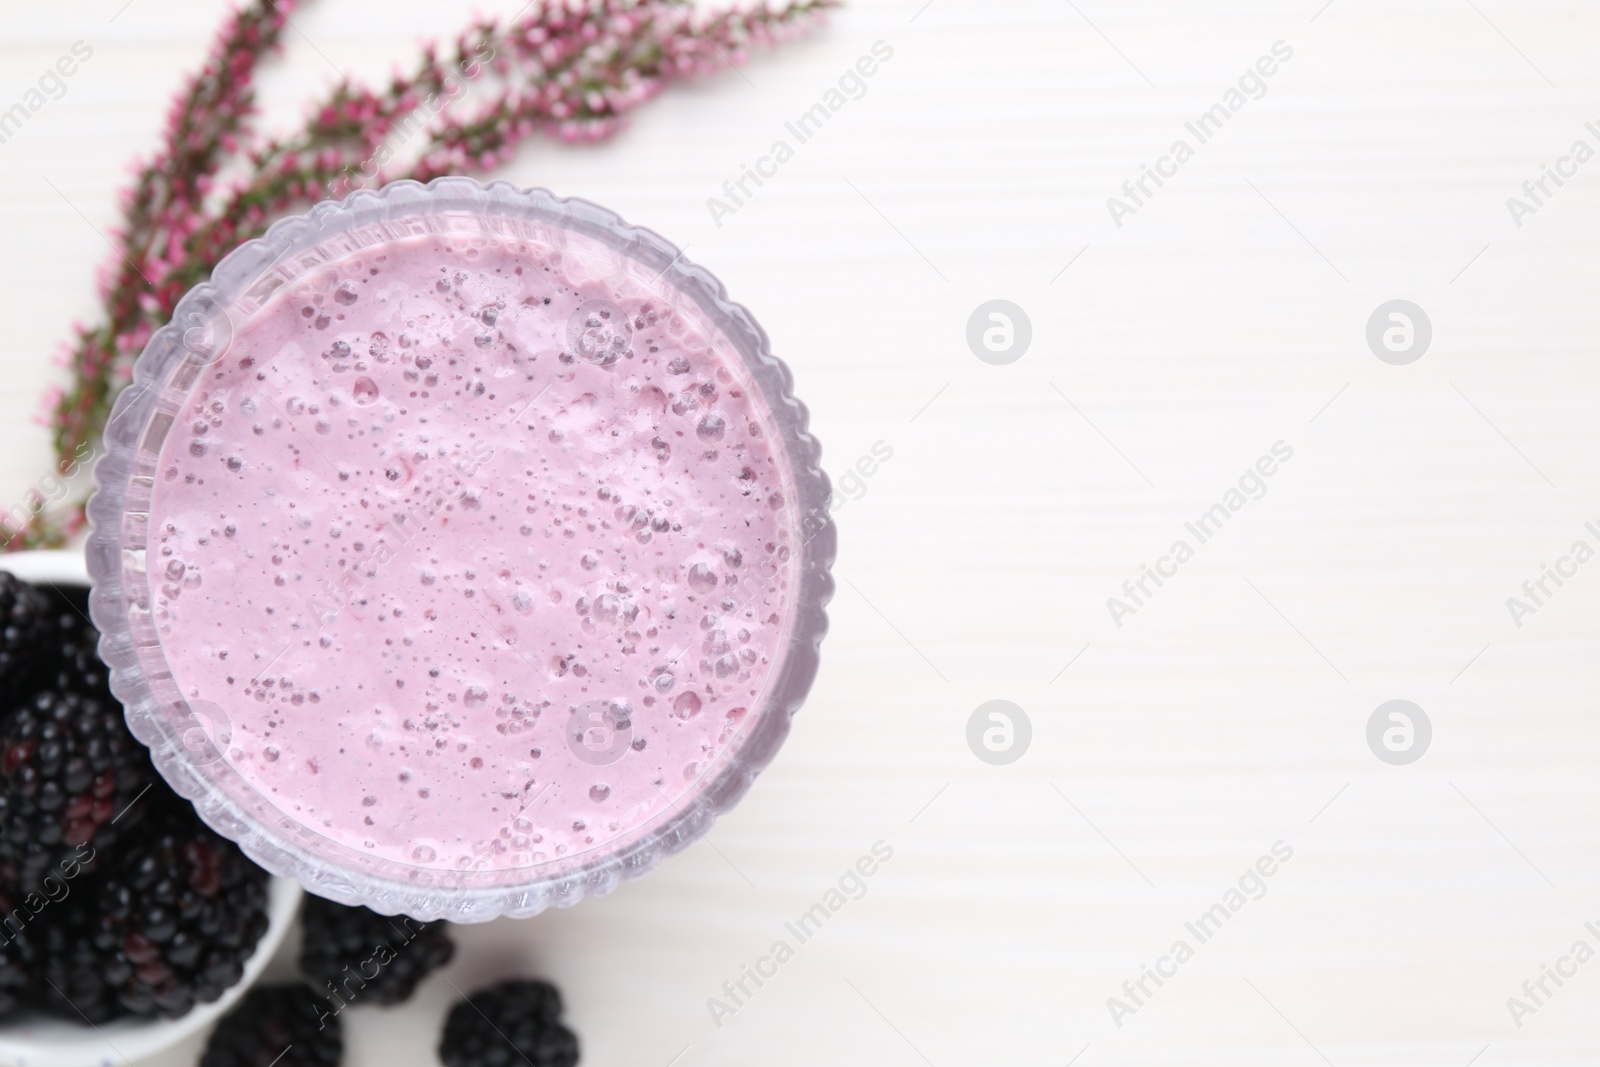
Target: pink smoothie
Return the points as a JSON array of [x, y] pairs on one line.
[[487, 561]]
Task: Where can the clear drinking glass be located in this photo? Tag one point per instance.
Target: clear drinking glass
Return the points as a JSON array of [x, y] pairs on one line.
[[195, 736]]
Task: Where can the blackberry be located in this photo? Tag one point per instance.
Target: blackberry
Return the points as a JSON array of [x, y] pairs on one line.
[[71, 660], [511, 1024], [26, 622], [45, 961], [68, 767], [67, 971], [364, 956], [286, 1026], [16, 973], [177, 914]]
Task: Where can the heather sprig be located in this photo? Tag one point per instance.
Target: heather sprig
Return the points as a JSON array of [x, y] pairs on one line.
[[570, 69]]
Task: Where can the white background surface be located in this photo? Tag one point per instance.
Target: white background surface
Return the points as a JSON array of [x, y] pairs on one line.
[[1229, 713]]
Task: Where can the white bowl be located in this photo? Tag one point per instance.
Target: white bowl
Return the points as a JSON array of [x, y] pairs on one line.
[[49, 1042]]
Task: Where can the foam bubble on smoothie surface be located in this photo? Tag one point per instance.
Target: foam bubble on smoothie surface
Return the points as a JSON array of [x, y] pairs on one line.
[[440, 500]]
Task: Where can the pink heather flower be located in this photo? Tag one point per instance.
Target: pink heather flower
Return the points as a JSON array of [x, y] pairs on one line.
[[48, 403]]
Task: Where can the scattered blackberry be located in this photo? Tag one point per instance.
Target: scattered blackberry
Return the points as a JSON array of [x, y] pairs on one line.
[[286, 1025], [177, 914], [512, 1024], [26, 622], [68, 766], [343, 947]]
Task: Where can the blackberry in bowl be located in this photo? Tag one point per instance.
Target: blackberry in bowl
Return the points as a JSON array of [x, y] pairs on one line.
[[126, 924]]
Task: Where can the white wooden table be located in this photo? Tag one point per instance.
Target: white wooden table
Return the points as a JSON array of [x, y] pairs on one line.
[[1228, 712]]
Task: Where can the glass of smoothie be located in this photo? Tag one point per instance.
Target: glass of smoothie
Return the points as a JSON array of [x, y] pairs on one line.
[[460, 550]]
